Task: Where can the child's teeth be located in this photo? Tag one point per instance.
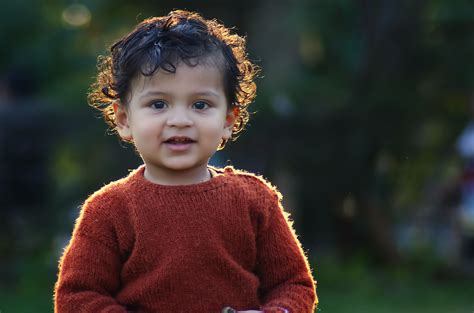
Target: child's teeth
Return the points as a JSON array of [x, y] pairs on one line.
[[179, 140]]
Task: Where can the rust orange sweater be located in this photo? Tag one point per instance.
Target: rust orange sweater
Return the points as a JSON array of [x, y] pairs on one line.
[[143, 247]]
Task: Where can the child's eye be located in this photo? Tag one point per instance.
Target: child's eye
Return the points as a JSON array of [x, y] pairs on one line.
[[200, 105], [158, 105]]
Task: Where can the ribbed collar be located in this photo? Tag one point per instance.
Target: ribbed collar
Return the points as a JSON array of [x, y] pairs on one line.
[[137, 178]]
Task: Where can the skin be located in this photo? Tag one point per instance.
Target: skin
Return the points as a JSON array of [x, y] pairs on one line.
[[176, 122]]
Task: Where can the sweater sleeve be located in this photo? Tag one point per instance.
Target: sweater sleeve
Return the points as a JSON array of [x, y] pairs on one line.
[[286, 282], [89, 270]]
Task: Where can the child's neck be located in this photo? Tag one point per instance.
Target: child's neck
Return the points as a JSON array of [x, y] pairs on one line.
[[177, 177]]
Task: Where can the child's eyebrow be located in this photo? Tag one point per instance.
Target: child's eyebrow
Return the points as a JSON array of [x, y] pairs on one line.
[[153, 94], [205, 93]]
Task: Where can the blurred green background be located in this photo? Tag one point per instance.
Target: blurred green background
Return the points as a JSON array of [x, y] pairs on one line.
[[358, 119]]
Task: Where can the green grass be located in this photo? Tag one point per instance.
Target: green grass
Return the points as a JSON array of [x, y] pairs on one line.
[[357, 288], [32, 291]]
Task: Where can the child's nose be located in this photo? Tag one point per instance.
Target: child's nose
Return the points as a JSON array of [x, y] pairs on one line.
[[179, 117]]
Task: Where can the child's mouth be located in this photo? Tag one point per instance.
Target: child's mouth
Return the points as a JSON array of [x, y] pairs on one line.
[[179, 140], [179, 143]]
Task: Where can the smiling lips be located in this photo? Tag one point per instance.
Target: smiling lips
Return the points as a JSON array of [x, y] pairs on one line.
[[179, 143], [179, 140]]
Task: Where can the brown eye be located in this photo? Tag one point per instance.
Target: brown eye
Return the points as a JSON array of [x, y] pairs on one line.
[[200, 105], [158, 105]]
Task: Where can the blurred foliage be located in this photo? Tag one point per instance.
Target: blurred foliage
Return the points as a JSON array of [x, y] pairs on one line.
[[358, 109]]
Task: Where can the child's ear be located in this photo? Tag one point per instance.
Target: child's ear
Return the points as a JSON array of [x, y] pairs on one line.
[[229, 124], [121, 120]]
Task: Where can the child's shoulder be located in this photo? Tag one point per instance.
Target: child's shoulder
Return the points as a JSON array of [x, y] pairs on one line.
[[114, 191], [253, 183]]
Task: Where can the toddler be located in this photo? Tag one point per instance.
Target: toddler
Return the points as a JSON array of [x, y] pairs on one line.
[[177, 235]]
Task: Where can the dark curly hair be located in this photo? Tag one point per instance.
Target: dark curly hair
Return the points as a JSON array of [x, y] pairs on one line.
[[160, 43]]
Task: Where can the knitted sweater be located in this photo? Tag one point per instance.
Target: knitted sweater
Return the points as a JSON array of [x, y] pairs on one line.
[[143, 247]]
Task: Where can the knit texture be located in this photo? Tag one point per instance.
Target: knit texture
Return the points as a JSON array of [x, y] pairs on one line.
[[144, 247]]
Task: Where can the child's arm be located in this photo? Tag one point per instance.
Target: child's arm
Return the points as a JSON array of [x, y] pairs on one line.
[[88, 278], [89, 274], [286, 281]]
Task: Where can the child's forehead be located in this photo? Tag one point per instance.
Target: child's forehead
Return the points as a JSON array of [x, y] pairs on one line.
[[197, 75]]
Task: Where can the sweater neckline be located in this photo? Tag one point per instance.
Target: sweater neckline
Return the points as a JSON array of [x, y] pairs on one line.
[[215, 182]]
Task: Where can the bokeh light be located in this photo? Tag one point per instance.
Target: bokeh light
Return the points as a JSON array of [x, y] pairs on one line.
[[76, 15]]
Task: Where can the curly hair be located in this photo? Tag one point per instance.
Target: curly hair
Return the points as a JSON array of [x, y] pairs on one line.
[[160, 43]]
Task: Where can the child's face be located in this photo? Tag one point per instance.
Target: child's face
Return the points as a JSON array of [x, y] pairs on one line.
[[176, 120]]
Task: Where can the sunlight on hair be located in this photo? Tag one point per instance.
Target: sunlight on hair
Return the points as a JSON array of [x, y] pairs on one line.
[[76, 15]]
